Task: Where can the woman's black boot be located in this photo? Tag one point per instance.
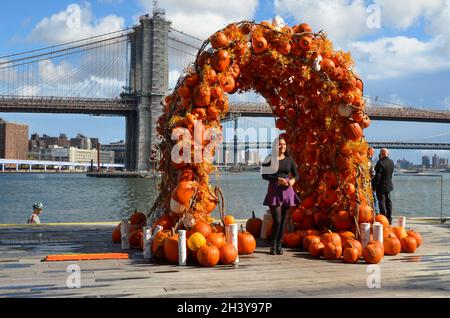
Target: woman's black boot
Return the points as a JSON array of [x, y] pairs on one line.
[[279, 250], [273, 249]]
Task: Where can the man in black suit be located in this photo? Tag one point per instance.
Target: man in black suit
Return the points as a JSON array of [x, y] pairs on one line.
[[382, 183]]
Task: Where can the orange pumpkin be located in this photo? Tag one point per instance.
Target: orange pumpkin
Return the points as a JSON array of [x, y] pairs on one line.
[[219, 40], [365, 214], [331, 237], [208, 255], [343, 221], [392, 245], [138, 218], [399, 231], [184, 91], [192, 80], [310, 239], [259, 44], [216, 239], [171, 248], [203, 228], [254, 225], [408, 244], [293, 239], [316, 249], [353, 131], [181, 196], [228, 219], [349, 189], [382, 219], [346, 235], [351, 253], [228, 254], [246, 243], [332, 251], [372, 253], [158, 243], [136, 239], [116, 234], [416, 235], [220, 60], [165, 221], [353, 243], [201, 95]]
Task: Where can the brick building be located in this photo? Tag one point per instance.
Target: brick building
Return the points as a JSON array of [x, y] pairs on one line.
[[13, 141]]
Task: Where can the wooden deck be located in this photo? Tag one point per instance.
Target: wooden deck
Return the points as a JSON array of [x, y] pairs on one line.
[[294, 274]]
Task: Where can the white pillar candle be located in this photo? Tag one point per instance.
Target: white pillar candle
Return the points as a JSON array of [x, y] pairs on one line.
[[182, 253], [125, 234], [378, 232], [266, 225], [401, 221], [147, 246], [231, 233], [365, 233]]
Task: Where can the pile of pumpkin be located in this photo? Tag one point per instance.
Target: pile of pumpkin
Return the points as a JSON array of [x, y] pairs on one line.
[[316, 98], [344, 244], [206, 243]]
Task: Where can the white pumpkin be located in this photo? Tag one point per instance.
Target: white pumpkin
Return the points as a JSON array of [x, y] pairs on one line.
[[345, 110]]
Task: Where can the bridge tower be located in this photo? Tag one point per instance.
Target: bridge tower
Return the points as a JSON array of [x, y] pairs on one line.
[[149, 77]]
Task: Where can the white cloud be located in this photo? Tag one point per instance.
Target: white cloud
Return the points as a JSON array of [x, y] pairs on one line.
[[447, 102], [403, 14], [391, 57], [202, 18], [76, 22], [50, 72], [342, 20]]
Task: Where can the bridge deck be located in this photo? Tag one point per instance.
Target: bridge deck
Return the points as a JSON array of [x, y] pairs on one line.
[[294, 274]]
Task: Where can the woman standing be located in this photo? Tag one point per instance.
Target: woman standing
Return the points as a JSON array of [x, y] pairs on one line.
[[281, 172]]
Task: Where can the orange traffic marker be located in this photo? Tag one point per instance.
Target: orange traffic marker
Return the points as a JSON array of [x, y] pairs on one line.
[[85, 257]]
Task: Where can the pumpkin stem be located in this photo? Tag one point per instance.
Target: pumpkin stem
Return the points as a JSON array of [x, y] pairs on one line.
[[253, 215]]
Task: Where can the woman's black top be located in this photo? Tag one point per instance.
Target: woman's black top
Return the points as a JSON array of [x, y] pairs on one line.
[[286, 166]]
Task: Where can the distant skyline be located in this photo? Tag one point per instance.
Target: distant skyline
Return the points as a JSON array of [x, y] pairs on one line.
[[402, 54]]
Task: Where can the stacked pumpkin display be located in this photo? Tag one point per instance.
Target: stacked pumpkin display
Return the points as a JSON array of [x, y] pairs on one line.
[[345, 244], [317, 100], [206, 245]]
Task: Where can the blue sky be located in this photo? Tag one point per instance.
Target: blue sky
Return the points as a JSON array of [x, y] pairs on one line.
[[406, 60]]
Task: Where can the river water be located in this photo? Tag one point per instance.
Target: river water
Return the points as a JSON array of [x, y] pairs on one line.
[[77, 198]]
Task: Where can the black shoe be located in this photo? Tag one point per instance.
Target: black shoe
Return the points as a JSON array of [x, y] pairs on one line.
[[272, 250], [279, 250]]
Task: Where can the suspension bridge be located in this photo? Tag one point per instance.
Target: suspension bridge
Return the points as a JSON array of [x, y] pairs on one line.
[[127, 73]]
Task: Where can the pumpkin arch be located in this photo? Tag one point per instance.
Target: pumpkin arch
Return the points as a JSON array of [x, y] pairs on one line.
[[312, 92]]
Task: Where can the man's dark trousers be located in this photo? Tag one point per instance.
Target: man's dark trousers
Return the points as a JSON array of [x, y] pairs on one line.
[[385, 204]]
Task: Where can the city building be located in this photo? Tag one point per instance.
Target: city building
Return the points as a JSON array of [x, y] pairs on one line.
[[90, 155], [81, 142], [13, 140], [119, 150], [252, 157], [426, 162], [442, 163], [404, 164], [435, 161], [72, 154]]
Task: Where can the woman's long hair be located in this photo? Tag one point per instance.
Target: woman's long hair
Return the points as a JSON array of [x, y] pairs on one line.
[[274, 164]]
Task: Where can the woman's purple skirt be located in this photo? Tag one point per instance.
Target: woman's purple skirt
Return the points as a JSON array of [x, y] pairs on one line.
[[280, 195]]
